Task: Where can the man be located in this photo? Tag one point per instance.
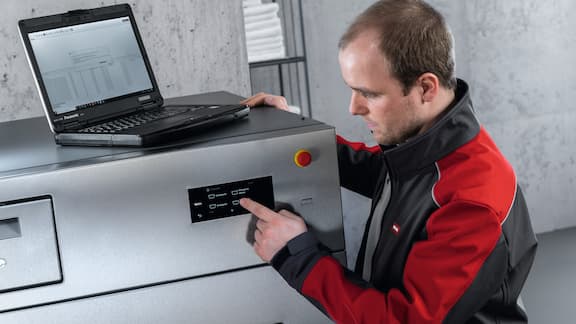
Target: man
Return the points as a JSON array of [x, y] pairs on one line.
[[449, 238]]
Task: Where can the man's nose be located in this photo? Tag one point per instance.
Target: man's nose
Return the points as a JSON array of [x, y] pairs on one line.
[[357, 104]]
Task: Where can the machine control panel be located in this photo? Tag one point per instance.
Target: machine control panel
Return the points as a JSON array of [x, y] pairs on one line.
[[223, 200]]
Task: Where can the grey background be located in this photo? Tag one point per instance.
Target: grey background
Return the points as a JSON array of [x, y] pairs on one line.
[[176, 34]]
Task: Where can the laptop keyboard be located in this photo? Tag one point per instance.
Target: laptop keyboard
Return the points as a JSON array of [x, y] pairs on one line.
[[136, 120]]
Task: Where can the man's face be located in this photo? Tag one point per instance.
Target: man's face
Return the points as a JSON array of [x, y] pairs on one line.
[[392, 116]]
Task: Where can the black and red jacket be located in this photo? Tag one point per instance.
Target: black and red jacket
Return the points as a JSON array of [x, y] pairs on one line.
[[454, 243]]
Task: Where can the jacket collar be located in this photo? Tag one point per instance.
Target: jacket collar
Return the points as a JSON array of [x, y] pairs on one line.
[[454, 129]]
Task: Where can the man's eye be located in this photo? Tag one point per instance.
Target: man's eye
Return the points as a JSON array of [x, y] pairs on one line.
[[368, 95]]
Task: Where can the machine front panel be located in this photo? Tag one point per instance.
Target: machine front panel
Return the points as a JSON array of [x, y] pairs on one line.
[[132, 223]]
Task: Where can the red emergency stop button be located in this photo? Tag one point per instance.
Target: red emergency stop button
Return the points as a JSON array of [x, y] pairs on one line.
[[302, 158]]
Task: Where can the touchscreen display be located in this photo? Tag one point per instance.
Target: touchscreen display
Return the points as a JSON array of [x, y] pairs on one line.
[[223, 200]]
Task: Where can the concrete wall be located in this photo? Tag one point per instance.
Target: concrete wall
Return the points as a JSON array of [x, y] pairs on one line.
[[518, 58], [521, 63], [194, 46]]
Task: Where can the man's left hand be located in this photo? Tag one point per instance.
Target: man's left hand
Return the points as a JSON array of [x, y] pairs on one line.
[[273, 229]]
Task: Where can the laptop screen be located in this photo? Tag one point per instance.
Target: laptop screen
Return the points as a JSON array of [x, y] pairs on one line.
[[90, 64]]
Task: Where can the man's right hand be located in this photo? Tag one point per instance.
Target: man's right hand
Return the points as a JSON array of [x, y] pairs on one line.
[[263, 98]]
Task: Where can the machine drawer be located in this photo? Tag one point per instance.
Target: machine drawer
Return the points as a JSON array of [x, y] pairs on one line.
[[28, 250]]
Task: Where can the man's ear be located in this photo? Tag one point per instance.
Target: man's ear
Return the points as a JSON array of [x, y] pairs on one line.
[[429, 86]]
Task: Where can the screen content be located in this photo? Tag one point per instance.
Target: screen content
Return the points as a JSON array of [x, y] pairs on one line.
[[85, 65], [223, 200]]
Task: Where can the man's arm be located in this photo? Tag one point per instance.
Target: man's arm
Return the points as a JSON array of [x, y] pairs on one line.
[[447, 277], [360, 166]]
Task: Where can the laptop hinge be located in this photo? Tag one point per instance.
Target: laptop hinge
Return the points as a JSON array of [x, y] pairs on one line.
[[73, 125], [150, 105]]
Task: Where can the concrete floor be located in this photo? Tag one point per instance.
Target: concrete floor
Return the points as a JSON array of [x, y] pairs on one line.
[[549, 291]]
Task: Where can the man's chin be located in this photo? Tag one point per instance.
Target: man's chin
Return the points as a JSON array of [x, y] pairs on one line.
[[381, 139], [384, 141]]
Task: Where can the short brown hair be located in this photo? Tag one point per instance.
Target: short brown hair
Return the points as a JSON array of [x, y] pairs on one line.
[[414, 37]]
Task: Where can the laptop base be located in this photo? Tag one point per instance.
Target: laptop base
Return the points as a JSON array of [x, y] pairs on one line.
[[137, 140]]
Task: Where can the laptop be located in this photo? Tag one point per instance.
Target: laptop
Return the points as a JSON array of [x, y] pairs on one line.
[[96, 82]]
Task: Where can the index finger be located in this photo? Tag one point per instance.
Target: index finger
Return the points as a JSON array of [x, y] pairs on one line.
[[262, 212]]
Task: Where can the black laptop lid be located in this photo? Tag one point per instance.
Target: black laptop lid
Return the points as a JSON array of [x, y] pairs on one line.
[[89, 65]]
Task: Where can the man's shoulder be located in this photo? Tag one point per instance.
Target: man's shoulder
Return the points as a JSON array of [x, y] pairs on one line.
[[477, 172]]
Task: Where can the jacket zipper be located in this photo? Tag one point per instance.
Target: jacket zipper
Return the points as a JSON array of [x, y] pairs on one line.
[[387, 182]]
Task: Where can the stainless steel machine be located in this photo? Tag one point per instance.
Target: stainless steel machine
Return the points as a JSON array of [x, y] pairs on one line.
[[155, 235]]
